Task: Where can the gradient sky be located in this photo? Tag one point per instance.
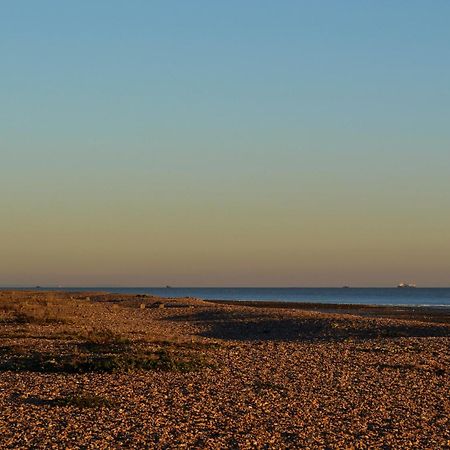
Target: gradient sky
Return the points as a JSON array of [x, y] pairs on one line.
[[213, 143]]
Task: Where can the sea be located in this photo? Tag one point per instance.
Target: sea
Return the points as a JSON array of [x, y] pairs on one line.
[[436, 297]]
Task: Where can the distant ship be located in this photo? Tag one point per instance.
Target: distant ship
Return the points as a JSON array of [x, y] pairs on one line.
[[406, 285]]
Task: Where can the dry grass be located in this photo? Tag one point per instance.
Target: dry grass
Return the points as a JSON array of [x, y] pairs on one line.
[[102, 340], [28, 310]]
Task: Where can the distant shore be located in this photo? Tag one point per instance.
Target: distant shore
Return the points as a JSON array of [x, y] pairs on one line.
[[435, 298], [420, 313]]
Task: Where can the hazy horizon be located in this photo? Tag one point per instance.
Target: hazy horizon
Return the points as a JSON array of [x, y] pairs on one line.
[[120, 286], [225, 144]]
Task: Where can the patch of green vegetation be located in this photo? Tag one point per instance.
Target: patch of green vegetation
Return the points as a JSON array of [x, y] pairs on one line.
[[78, 362]]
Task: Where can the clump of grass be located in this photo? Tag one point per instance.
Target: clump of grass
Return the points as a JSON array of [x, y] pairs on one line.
[[78, 362], [260, 385], [190, 345], [173, 361], [105, 340], [83, 401], [22, 312], [78, 400], [7, 305], [14, 349], [39, 317]]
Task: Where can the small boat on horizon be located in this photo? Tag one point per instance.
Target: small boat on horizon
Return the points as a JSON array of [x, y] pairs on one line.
[[406, 285]]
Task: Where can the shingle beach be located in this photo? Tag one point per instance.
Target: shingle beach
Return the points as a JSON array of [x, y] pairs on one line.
[[103, 371]]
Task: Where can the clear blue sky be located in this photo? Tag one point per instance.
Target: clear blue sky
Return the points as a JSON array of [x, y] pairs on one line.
[[224, 143]]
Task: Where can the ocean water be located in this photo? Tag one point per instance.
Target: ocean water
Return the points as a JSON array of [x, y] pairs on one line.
[[439, 297]]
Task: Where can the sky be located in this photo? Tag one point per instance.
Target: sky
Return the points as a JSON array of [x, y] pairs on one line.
[[210, 143]]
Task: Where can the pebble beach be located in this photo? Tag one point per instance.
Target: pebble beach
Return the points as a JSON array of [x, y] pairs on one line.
[[104, 371]]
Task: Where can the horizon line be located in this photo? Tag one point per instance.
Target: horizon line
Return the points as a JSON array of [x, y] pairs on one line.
[[213, 287]]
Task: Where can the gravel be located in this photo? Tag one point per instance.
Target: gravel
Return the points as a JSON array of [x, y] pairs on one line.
[[274, 379]]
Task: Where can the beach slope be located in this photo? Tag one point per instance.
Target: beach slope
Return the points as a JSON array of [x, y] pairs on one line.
[[93, 370]]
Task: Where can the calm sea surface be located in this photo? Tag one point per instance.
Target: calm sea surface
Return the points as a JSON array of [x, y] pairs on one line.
[[365, 296]]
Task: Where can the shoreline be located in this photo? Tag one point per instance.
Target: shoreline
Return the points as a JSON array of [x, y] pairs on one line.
[[420, 313], [432, 314]]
